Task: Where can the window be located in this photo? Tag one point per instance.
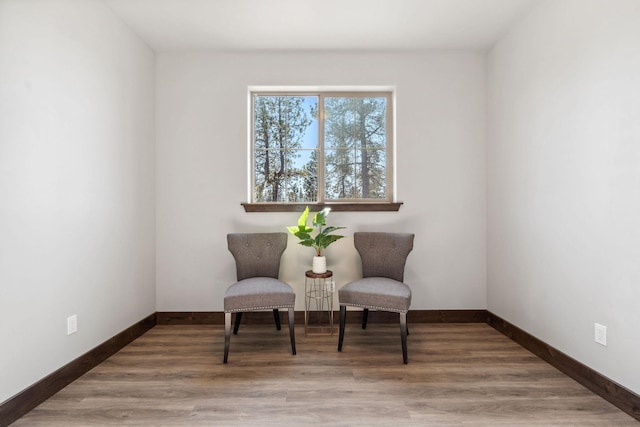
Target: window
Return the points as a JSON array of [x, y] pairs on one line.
[[326, 147]]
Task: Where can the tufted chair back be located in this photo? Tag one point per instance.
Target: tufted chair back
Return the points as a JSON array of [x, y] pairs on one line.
[[383, 254], [257, 254]]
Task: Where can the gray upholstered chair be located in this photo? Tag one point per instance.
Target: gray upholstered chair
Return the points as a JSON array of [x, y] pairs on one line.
[[383, 256], [257, 257]]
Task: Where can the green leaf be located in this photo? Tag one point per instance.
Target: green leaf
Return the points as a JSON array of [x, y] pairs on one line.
[[319, 219], [331, 228], [302, 221], [327, 240], [302, 235], [299, 229]]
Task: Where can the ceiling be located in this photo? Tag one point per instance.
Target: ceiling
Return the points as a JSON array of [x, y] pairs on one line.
[[177, 25]]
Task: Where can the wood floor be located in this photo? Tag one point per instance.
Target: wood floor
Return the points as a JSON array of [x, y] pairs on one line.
[[458, 375]]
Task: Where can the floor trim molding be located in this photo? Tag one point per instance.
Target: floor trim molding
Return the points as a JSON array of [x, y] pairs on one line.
[[29, 398], [624, 399], [619, 396], [266, 317]]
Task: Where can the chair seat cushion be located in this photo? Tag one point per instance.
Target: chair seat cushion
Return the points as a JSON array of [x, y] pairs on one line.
[[258, 293], [377, 293]]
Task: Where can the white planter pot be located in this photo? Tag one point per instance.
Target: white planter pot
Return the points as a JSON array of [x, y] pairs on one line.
[[319, 264]]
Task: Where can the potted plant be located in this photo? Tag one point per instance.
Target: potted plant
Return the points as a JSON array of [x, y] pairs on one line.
[[323, 239]]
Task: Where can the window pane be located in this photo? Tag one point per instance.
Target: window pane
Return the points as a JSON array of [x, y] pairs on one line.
[[340, 174], [269, 175], [357, 126], [302, 181], [310, 137], [282, 126], [371, 177], [370, 122]]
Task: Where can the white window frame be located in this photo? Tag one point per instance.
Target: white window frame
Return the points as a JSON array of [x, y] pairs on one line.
[[387, 203]]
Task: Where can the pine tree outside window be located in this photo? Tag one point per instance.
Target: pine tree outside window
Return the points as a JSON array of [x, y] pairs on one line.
[[321, 147]]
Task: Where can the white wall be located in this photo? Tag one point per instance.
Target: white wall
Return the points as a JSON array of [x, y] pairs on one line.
[[202, 172], [564, 180], [77, 190]]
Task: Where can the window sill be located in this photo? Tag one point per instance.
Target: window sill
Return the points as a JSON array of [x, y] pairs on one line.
[[314, 207]]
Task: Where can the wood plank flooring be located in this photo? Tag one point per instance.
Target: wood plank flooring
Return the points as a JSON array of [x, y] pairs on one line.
[[458, 375]]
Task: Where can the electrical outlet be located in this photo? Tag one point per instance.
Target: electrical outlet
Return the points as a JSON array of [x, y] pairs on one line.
[[600, 332], [72, 324]]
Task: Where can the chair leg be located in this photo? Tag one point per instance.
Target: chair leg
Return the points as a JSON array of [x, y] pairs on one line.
[[343, 320], [365, 317], [403, 336], [236, 324], [276, 317], [227, 335], [292, 334]]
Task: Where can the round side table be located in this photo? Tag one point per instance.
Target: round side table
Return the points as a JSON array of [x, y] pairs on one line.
[[318, 292]]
